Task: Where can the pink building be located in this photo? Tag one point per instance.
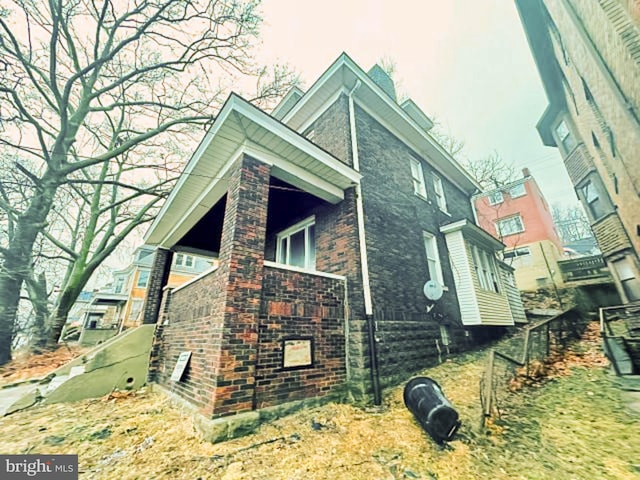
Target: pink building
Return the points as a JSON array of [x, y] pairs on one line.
[[518, 215]]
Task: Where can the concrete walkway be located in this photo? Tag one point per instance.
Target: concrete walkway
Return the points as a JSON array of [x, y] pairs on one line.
[[8, 396]]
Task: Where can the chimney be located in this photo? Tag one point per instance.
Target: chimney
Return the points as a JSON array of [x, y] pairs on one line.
[[525, 172], [383, 80]]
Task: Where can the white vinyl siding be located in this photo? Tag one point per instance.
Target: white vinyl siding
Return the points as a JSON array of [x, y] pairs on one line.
[[439, 189], [433, 258], [463, 278], [477, 306], [513, 294], [417, 177]]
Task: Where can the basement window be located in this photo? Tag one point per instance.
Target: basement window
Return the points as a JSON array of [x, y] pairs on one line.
[[296, 246]]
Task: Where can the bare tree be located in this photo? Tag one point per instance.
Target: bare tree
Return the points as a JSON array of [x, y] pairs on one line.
[[90, 91], [492, 171]]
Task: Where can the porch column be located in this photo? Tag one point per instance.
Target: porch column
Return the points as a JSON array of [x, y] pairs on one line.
[[157, 280], [242, 256]]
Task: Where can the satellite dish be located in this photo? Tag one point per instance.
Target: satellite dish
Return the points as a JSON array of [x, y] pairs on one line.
[[432, 290]]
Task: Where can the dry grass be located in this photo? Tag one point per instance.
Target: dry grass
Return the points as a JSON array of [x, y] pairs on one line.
[[572, 427]]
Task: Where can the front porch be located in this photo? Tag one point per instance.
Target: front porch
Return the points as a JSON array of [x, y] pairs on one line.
[[267, 326]]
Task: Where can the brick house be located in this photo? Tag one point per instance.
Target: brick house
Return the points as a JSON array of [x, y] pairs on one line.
[[587, 54], [327, 217], [518, 215]]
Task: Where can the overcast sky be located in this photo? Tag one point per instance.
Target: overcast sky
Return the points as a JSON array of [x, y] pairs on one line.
[[464, 62]]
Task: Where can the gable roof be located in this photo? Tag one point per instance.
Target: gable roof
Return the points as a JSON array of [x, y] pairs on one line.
[[409, 126], [240, 128]]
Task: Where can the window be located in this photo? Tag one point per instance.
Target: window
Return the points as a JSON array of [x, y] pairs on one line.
[[143, 279], [593, 200], [518, 252], [438, 187], [143, 254], [136, 308], [118, 285], [564, 135], [418, 178], [495, 197], [627, 278], [485, 267], [518, 191], [518, 257], [296, 246], [510, 226], [433, 259], [183, 260], [444, 335]]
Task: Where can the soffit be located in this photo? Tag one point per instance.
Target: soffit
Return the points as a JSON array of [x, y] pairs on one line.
[[243, 128]]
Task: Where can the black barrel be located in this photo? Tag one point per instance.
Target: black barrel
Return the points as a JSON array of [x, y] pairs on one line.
[[424, 398]]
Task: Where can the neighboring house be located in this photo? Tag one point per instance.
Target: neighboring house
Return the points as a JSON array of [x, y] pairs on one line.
[[119, 305], [134, 279], [518, 215], [327, 217], [587, 53]]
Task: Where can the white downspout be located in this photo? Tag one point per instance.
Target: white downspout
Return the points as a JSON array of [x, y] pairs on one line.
[[366, 286]]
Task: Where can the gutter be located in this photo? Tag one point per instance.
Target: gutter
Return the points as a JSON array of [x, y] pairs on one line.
[[366, 285]]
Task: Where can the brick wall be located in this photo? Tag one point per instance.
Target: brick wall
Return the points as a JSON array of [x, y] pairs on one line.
[[300, 305], [395, 219]]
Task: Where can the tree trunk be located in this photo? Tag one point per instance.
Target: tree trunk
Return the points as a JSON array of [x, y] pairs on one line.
[[9, 300], [77, 281], [37, 288], [18, 258]]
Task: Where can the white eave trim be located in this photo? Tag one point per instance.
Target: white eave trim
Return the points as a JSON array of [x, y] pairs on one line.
[[473, 232], [234, 108], [345, 61]]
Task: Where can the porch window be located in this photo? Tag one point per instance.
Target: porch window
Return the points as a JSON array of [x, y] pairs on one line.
[[417, 176], [433, 259], [296, 246], [485, 267]]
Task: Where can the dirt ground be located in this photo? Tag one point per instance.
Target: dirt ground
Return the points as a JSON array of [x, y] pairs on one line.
[[26, 366], [570, 426]]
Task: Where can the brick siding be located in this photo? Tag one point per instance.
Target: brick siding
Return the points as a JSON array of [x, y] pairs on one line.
[[300, 305], [157, 280]]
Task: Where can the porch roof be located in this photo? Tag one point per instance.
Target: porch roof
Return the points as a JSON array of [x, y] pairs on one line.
[[474, 232], [241, 128]]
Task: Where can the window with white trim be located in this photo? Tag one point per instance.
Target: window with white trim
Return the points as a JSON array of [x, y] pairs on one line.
[[485, 267], [433, 258], [143, 279], [566, 139], [495, 197], [183, 260], [296, 246], [510, 226], [518, 191], [119, 284], [417, 176], [438, 187], [136, 308]]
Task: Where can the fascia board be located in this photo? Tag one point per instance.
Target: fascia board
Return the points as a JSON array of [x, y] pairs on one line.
[[344, 61]]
